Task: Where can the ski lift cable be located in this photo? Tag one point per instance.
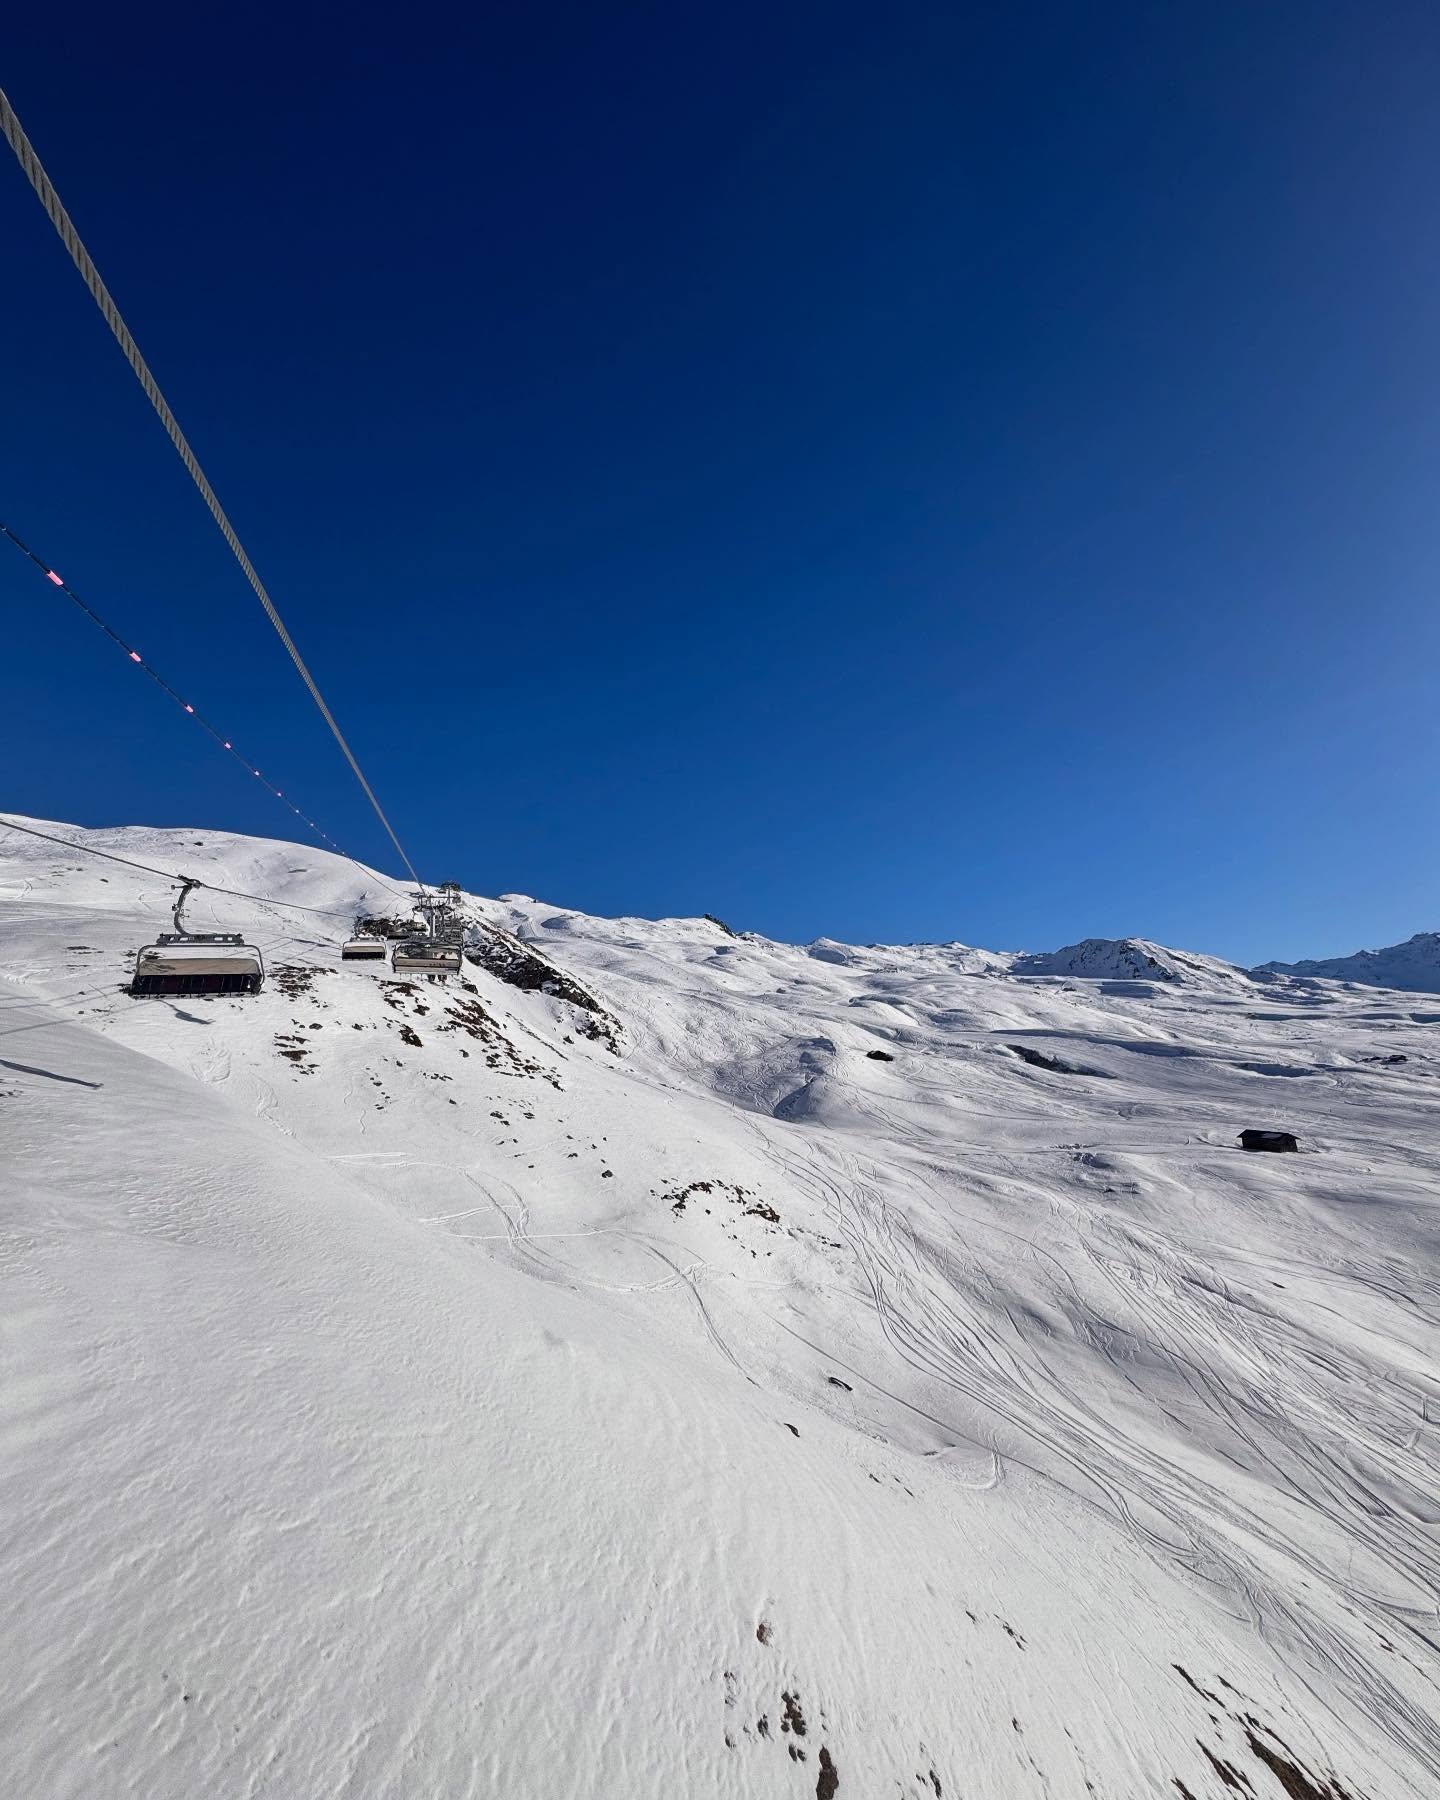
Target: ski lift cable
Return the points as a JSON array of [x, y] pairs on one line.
[[134, 656], [80, 256], [327, 912]]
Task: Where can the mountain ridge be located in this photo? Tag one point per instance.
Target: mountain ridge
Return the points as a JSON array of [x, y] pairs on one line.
[[1409, 967]]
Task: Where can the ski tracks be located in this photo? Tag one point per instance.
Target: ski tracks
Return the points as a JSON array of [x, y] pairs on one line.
[[1267, 1402]]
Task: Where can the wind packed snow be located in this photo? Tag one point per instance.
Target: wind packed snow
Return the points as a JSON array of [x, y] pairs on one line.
[[722, 1367]]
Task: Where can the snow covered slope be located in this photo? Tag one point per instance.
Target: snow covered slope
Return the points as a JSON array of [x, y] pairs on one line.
[[1124, 959], [1412, 967], [753, 1370]]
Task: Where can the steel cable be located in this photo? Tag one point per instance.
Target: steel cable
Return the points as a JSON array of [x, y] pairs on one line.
[[326, 912], [80, 256]]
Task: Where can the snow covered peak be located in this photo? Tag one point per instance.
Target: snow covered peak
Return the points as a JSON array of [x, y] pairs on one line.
[[1124, 959], [1411, 967]]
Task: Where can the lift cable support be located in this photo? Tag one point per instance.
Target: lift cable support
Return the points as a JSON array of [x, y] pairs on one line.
[[188, 886], [441, 951], [80, 256], [438, 913], [134, 656]]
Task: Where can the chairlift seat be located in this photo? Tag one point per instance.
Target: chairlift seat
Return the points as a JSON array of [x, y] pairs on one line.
[[217, 963], [363, 949], [426, 954]]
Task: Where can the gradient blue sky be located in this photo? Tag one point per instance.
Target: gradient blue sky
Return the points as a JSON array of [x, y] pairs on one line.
[[887, 472]]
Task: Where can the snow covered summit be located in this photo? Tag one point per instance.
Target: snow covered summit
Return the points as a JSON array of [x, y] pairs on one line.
[[663, 1362], [1124, 959]]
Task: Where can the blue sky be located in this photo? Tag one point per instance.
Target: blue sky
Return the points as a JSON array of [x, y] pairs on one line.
[[881, 472]]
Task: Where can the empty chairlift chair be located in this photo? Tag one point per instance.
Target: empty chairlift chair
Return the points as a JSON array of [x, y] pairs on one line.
[[426, 956], [363, 949], [215, 963], [197, 962]]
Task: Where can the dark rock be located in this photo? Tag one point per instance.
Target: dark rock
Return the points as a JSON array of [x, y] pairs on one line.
[[502, 955], [1038, 1059], [377, 925]]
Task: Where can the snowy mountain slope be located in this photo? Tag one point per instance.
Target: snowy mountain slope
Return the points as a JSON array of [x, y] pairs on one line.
[[1411, 967], [1125, 959], [451, 1404]]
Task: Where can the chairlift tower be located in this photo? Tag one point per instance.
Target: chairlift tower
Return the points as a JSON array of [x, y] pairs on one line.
[[440, 951], [438, 914]]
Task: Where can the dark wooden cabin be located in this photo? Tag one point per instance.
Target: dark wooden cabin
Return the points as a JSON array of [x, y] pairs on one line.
[[1268, 1140]]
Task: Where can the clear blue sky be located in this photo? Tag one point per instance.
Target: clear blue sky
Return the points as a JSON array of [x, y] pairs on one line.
[[888, 472]]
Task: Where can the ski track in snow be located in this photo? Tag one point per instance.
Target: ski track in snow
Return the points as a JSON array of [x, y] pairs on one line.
[[467, 1409]]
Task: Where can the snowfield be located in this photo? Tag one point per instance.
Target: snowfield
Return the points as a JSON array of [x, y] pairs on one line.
[[742, 1369]]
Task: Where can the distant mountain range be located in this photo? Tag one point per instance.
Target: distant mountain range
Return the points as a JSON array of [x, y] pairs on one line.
[[1413, 967]]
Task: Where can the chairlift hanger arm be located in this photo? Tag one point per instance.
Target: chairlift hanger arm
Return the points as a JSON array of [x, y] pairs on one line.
[[188, 884]]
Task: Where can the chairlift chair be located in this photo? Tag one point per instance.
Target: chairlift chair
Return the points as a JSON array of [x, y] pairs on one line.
[[427, 955], [197, 962], [363, 949]]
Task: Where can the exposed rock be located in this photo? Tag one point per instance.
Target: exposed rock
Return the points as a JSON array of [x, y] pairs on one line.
[[1040, 1059], [503, 955]]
